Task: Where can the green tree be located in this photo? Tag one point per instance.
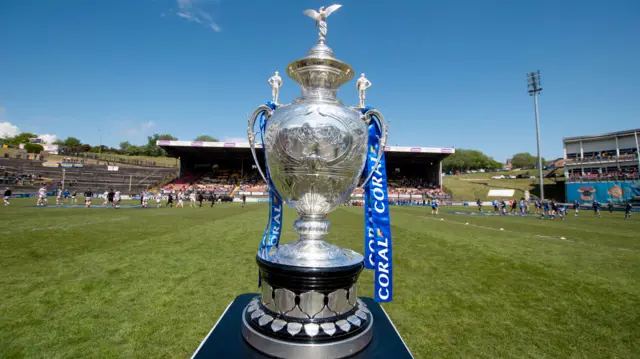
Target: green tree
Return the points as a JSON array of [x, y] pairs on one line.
[[124, 145], [132, 150], [72, 142], [33, 148], [525, 160], [205, 138], [463, 160], [21, 138], [151, 149], [85, 147]]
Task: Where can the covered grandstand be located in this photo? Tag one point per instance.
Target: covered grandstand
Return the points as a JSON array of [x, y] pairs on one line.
[[227, 168]]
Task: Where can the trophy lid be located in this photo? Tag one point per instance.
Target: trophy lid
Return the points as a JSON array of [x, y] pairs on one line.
[[319, 73]]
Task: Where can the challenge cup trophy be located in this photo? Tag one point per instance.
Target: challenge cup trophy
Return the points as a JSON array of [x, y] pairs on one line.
[[315, 152]]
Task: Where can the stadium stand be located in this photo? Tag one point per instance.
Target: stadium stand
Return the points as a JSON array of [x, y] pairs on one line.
[[28, 175], [228, 169]]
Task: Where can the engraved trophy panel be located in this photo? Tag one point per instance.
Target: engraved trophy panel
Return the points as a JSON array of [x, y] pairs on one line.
[[315, 154]]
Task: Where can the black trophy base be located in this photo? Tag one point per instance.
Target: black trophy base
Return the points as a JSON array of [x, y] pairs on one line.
[[225, 340], [308, 312], [290, 338]]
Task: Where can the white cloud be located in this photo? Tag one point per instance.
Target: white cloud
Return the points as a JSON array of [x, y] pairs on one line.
[[47, 138], [140, 129], [236, 139], [194, 11], [7, 129]]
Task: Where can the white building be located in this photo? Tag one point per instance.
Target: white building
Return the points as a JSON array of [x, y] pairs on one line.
[[608, 154]]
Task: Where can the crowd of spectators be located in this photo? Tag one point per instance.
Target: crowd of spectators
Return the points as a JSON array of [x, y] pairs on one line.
[[623, 175], [225, 181], [181, 183], [602, 157], [413, 186], [253, 183], [81, 157]]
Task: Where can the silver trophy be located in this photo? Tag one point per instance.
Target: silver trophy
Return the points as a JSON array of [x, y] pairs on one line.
[[315, 150]]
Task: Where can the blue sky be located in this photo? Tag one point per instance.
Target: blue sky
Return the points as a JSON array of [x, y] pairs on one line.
[[444, 73]]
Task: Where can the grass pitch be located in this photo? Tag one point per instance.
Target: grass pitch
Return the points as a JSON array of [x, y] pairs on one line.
[[150, 283]]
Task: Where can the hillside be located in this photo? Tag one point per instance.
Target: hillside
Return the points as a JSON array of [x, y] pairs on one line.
[[469, 187]]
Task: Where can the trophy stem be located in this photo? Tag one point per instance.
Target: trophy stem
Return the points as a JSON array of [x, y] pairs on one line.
[[311, 227]]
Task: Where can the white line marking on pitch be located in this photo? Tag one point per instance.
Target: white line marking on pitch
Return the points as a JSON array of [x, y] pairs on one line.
[[68, 225], [531, 234]]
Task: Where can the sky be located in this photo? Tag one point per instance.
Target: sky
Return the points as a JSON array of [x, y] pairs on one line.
[[447, 73]]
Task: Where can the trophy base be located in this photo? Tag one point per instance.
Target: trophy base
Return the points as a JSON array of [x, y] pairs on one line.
[[307, 312], [289, 349]]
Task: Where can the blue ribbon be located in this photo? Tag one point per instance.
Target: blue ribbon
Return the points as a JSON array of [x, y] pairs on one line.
[[271, 236], [377, 223]]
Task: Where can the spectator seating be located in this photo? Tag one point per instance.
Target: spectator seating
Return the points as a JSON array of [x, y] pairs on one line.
[[27, 176]]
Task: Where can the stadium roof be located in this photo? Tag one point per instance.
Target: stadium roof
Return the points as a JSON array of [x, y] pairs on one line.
[[601, 136]]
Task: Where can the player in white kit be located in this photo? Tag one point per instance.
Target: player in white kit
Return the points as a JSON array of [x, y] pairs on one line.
[[158, 199], [59, 196], [145, 199], [192, 199], [42, 196], [180, 200], [87, 198], [106, 200], [116, 199]]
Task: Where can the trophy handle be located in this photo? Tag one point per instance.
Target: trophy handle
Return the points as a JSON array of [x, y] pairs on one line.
[[252, 135], [376, 116]]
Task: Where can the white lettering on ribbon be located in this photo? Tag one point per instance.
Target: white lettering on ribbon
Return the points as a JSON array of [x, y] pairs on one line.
[[372, 241]]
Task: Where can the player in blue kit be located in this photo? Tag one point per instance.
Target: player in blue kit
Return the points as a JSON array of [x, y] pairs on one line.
[[554, 210], [434, 206], [596, 208], [545, 209], [627, 210], [576, 207], [562, 211]]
